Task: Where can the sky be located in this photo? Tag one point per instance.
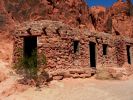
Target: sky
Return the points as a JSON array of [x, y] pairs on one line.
[[106, 3]]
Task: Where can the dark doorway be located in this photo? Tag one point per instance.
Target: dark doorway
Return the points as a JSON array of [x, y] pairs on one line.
[[76, 46], [92, 47], [105, 49], [128, 54], [30, 49]]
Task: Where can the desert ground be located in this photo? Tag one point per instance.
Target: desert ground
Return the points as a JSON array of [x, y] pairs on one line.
[[78, 89]]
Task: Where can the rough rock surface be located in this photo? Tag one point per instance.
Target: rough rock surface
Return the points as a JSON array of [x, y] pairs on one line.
[[8, 81], [56, 42], [76, 13], [122, 73], [2, 76], [6, 22]]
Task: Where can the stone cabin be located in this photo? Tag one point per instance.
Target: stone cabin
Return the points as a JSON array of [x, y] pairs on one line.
[[71, 52]]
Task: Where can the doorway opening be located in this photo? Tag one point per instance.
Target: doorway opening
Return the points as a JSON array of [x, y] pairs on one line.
[[128, 54], [30, 50], [92, 47]]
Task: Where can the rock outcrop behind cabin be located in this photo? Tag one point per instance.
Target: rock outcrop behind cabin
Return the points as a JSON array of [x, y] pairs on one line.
[[116, 19]]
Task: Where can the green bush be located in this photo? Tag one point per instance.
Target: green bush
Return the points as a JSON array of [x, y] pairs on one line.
[[28, 66]]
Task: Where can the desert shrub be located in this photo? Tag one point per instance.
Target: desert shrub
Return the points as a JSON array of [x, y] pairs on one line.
[[2, 20], [12, 8], [8, 7], [21, 1], [25, 13], [29, 66], [33, 2]]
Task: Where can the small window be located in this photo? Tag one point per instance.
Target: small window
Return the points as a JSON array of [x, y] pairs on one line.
[[128, 54], [117, 33], [105, 49], [76, 46]]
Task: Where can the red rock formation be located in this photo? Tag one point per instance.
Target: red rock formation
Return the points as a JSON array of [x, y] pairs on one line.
[[6, 22], [122, 17], [116, 19], [73, 12]]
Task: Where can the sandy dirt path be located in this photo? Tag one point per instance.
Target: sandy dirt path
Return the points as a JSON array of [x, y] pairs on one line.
[[79, 89]]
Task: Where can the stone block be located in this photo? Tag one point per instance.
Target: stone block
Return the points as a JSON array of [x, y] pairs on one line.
[[57, 77]]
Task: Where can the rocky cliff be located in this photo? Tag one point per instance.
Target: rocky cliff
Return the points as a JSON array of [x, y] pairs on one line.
[[117, 19]]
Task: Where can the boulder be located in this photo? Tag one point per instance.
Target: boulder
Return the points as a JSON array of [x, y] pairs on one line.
[[3, 76], [57, 77]]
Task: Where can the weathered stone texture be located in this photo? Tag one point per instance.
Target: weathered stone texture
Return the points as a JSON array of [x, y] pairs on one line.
[[55, 40]]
